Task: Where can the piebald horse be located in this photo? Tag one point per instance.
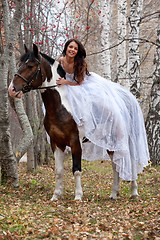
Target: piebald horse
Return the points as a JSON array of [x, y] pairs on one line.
[[39, 71]]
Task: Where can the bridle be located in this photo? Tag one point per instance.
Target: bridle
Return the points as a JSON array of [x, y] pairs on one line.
[[29, 82], [29, 87]]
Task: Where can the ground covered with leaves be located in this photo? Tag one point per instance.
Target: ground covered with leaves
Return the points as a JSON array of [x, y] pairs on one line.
[[27, 212]]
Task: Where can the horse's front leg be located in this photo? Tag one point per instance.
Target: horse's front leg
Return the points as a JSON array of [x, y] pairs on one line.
[[115, 186], [59, 172], [134, 189], [76, 156], [78, 191]]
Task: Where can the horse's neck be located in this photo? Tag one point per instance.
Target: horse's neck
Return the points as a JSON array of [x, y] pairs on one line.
[[52, 100], [55, 76], [61, 90]]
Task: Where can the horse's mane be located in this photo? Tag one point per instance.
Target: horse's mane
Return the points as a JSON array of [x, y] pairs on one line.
[[60, 69], [29, 55], [48, 58]]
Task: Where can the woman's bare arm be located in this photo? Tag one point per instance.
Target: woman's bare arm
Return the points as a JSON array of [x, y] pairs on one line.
[[63, 81]]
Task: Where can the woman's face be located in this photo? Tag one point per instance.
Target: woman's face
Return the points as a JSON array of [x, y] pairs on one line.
[[72, 49]]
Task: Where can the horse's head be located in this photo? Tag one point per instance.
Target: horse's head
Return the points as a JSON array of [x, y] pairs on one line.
[[33, 70]]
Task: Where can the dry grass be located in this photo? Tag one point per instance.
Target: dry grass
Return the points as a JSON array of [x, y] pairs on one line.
[[27, 213]]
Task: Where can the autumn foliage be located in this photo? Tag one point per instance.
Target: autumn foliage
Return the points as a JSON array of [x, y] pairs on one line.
[[27, 213]]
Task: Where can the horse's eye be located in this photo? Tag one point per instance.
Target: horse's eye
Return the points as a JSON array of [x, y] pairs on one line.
[[30, 66]]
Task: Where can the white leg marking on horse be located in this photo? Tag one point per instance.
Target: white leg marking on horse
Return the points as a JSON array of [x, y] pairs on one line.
[[78, 191], [134, 189], [115, 186], [81, 132], [59, 172]]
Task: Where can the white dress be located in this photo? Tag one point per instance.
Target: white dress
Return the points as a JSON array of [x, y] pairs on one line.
[[113, 120]]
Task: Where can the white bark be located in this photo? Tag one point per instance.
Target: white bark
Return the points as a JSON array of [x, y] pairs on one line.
[[153, 118], [39, 132], [121, 50], [105, 60], [25, 142], [7, 160], [30, 152], [133, 54]]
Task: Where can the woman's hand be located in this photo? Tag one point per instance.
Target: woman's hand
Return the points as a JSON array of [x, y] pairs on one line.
[[61, 81], [13, 93]]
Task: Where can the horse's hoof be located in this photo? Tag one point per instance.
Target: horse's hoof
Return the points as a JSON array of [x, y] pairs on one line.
[[78, 198], [54, 198], [135, 196], [113, 196], [114, 199]]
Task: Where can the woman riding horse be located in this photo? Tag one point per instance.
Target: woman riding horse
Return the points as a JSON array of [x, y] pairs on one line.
[[110, 115]]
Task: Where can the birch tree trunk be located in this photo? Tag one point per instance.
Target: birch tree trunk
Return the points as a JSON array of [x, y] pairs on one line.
[[40, 134], [121, 50], [133, 54], [153, 118], [30, 151], [105, 60], [7, 159], [24, 143], [36, 149]]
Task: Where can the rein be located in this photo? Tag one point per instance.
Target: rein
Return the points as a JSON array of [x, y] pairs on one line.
[[48, 87]]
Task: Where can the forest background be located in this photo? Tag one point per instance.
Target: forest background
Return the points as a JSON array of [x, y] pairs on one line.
[[122, 41]]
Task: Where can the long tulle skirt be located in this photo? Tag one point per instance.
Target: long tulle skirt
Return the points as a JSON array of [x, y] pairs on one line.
[[113, 120]]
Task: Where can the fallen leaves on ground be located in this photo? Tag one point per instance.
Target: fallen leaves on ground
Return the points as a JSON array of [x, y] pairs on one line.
[[27, 213]]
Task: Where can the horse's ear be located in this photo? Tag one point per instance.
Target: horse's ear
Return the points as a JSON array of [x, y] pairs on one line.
[[35, 50], [25, 48]]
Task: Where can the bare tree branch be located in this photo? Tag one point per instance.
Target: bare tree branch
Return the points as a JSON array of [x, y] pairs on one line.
[[141, 39]]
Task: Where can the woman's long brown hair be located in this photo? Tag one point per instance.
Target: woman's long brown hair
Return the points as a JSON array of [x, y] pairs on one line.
[[80, 65]]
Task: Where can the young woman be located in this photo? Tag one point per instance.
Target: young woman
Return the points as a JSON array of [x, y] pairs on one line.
[[73, 62], [110, 114]]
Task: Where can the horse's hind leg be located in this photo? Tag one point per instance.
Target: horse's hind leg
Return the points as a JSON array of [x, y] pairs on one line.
[[59, 172], [115, 185], [134, 189]]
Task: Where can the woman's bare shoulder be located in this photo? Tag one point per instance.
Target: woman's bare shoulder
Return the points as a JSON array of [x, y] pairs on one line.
[[60, 60]]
